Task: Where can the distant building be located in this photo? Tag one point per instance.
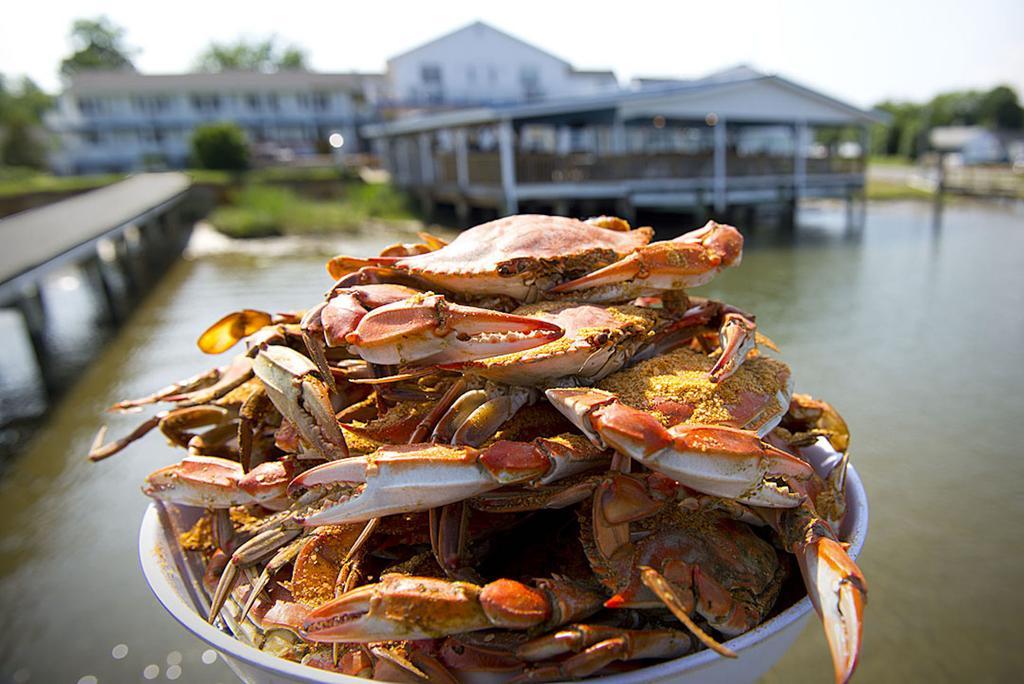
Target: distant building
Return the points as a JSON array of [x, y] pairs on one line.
[[123, 120], [480, 65], [972, 145], [734, 139]]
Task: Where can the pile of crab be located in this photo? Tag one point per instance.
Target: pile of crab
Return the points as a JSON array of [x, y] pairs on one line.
[[527, 451]]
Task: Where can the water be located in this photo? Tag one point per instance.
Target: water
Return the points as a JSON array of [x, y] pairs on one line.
[[914, 335]]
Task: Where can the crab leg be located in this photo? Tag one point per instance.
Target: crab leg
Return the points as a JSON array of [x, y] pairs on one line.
[[406, 607], [718, 460], [223, 334], [218, 483], [294, 385], [594, 647], [430, 330], [417, 477], [329, 323], [687, 261], [835, 584]]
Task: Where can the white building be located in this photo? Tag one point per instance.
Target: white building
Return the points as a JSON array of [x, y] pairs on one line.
[[478, 65], [735, 139], [121, 121], [969, 145]]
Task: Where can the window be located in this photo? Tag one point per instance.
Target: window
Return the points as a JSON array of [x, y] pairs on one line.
[[430, 74], [253, 102], [90, 106], [321, 101], [206, 104], [272, 102], [529, 79], [151, 105]]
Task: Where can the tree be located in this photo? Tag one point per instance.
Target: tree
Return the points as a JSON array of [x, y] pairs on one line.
[[999, 109], [98, 44], [22, 140], [243, 55], [220, 146], [20, 144]]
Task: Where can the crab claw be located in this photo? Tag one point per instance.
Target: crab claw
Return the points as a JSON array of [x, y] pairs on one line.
[[687, 261], [199, 481], [431, 330], [737, 337], [406, 607], [839, 593], [835, 584], [717, 460], [294, 385], [416, 477]]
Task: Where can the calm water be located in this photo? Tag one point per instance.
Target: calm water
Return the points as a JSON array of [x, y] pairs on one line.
[[914, 335]]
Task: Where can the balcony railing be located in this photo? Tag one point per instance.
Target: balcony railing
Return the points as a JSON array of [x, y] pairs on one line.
[[484, 168]]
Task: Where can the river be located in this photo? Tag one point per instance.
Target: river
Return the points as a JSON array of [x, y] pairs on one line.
[[913, 333]]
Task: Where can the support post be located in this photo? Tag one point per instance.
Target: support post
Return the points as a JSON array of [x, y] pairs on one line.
[[403, 161], [719, 182], [801, 138], [461, 159], [33, 312], [618, 134], [426, 160], [507, 155], [93, 269]]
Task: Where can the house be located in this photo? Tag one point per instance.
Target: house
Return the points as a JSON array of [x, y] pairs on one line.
[[736, 138], [970, 145], [124, 120], [479, 64]]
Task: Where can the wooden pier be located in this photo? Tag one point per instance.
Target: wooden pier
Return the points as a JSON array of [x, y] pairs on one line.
[[120, 238], [713, 147]]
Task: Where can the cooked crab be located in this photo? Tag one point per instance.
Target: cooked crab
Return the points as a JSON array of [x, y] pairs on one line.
[[667, 415], [531, 256]]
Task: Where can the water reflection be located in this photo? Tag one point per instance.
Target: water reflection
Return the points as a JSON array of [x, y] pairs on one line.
[[913, 335]]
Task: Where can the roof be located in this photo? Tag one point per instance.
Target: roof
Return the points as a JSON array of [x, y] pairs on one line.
[[476, 25], [606, 73], [952, 138], [622, 99], [90, 82]]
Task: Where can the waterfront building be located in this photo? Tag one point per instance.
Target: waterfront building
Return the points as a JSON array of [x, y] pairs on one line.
[[126, 121], [734, 139], [480, 65]]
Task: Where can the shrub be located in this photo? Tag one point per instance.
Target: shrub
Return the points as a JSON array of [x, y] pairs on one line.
[[220, 146]]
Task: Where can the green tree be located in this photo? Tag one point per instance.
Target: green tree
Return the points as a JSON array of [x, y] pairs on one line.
[[244, 55], [98, 44], [220, 146], [22, 140], [999, 108], [21, 144]]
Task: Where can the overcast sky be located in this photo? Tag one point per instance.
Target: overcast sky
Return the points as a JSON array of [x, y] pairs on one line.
[[861, 51]]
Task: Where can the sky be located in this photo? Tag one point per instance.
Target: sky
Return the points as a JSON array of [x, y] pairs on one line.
[[862, 52]]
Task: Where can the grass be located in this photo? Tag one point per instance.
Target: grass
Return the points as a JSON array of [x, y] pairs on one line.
[[887, 190], [262, 210], [881, 160], [21, 181], [16, 180]]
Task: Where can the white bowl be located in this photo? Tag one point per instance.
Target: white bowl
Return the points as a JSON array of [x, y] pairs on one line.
[[757, 649]]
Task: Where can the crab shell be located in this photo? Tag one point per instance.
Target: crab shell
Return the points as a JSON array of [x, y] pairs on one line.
[[598, 340], [517, 256]]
